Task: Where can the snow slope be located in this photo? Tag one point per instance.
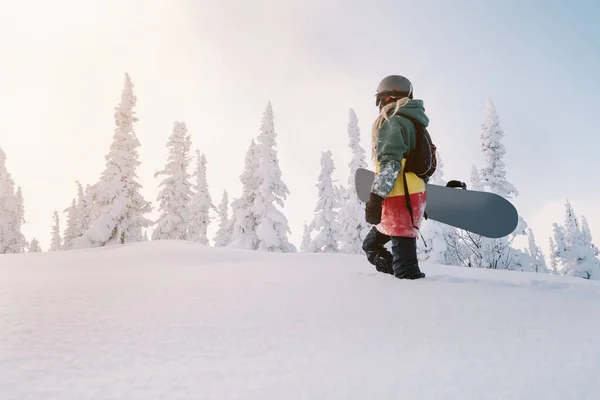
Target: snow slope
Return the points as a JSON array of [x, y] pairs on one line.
[[177, 320]]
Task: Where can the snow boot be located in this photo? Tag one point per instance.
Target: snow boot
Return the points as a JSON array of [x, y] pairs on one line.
[[405, 262]]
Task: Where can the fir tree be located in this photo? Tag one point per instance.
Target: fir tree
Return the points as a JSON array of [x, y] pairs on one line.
[[354, 228], [570, 252], [34, 246], [487, 252], [537, 257], [587, 236], [85, 204], [306, 239], [223, 235], [11, 212], [201, 203], [244, 220], [326, 217], [56, 243], [119, 208], [71, 232], [272, 226], [175, 196]]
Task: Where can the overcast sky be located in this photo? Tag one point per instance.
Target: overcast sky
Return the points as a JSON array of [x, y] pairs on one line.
[[214, 65]]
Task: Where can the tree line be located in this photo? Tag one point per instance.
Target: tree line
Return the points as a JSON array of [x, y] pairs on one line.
[[113, 210]]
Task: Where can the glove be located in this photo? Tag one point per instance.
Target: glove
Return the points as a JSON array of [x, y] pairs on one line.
[[373, 209]]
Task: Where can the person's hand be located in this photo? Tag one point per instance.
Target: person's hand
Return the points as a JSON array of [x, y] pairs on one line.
[[373, 209]]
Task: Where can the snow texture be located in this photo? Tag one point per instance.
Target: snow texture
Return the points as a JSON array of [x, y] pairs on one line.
[[272, 226], [201, 203], [118, 206], [181, 321], [175, 196], [354, 228]]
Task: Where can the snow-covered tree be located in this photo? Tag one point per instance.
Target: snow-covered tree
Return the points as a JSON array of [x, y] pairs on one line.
[[272, 225], [487, 252], [56, 242], [570, 252], [354, 228], [244, 220], [493, 173], [306, 239], [11, 212], [119, 208], [85, 203], [175, 196], [201, 203], [476, 183], [326, 218], [34, 246], [587, 236], [537, 256], [71, 232], [223, 235]]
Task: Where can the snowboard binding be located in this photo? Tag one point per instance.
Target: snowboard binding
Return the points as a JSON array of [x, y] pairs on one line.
[[456, 184]]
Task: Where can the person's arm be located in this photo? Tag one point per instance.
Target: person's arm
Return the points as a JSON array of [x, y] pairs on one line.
[[391, 147]]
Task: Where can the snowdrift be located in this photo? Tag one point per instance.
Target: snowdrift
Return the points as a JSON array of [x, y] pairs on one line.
[[176, 320]]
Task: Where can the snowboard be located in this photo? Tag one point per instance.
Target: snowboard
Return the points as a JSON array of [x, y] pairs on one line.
[[482, 213]]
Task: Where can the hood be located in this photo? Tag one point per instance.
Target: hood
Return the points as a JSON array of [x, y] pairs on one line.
[[416, 110]]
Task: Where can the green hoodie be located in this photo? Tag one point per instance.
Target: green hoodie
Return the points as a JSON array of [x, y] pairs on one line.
[[396, 137]]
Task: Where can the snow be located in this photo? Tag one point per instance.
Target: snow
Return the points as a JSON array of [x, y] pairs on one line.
[[179, 320]]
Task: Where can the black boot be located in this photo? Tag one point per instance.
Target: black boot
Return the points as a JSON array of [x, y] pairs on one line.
[[405, 263], [377, 254]]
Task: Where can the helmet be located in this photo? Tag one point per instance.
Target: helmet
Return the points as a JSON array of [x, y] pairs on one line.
[[393, 86]]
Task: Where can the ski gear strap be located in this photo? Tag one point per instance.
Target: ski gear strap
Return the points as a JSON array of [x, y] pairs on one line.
[[409, 205]]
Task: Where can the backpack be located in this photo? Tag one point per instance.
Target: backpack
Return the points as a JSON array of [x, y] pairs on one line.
[[421, 160]]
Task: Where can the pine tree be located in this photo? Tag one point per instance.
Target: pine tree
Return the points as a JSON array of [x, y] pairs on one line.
[[272, 225], [570, 252], [71, 232], [354, 228], [493, 174], [11, 212], [537, 257], [175, 196], [587, 236], [34, 246], [476, 183], [56, 243], [244, 220], [223, 235], [85, 204], [486, 252], [201, 204], [326, 218], [119, 208], [306, 239]]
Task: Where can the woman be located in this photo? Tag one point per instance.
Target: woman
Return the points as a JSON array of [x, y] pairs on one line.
[[394, 135]]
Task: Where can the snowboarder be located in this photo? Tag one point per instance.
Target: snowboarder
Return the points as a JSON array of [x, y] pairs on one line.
[[393, 136]]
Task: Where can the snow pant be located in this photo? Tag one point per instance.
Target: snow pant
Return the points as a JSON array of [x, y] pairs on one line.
[[402, 262]]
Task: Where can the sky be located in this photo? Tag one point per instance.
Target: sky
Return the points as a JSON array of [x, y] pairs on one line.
[[216, 65]]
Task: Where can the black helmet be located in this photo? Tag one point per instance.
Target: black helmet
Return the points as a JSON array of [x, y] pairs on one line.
[[393, 86]]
